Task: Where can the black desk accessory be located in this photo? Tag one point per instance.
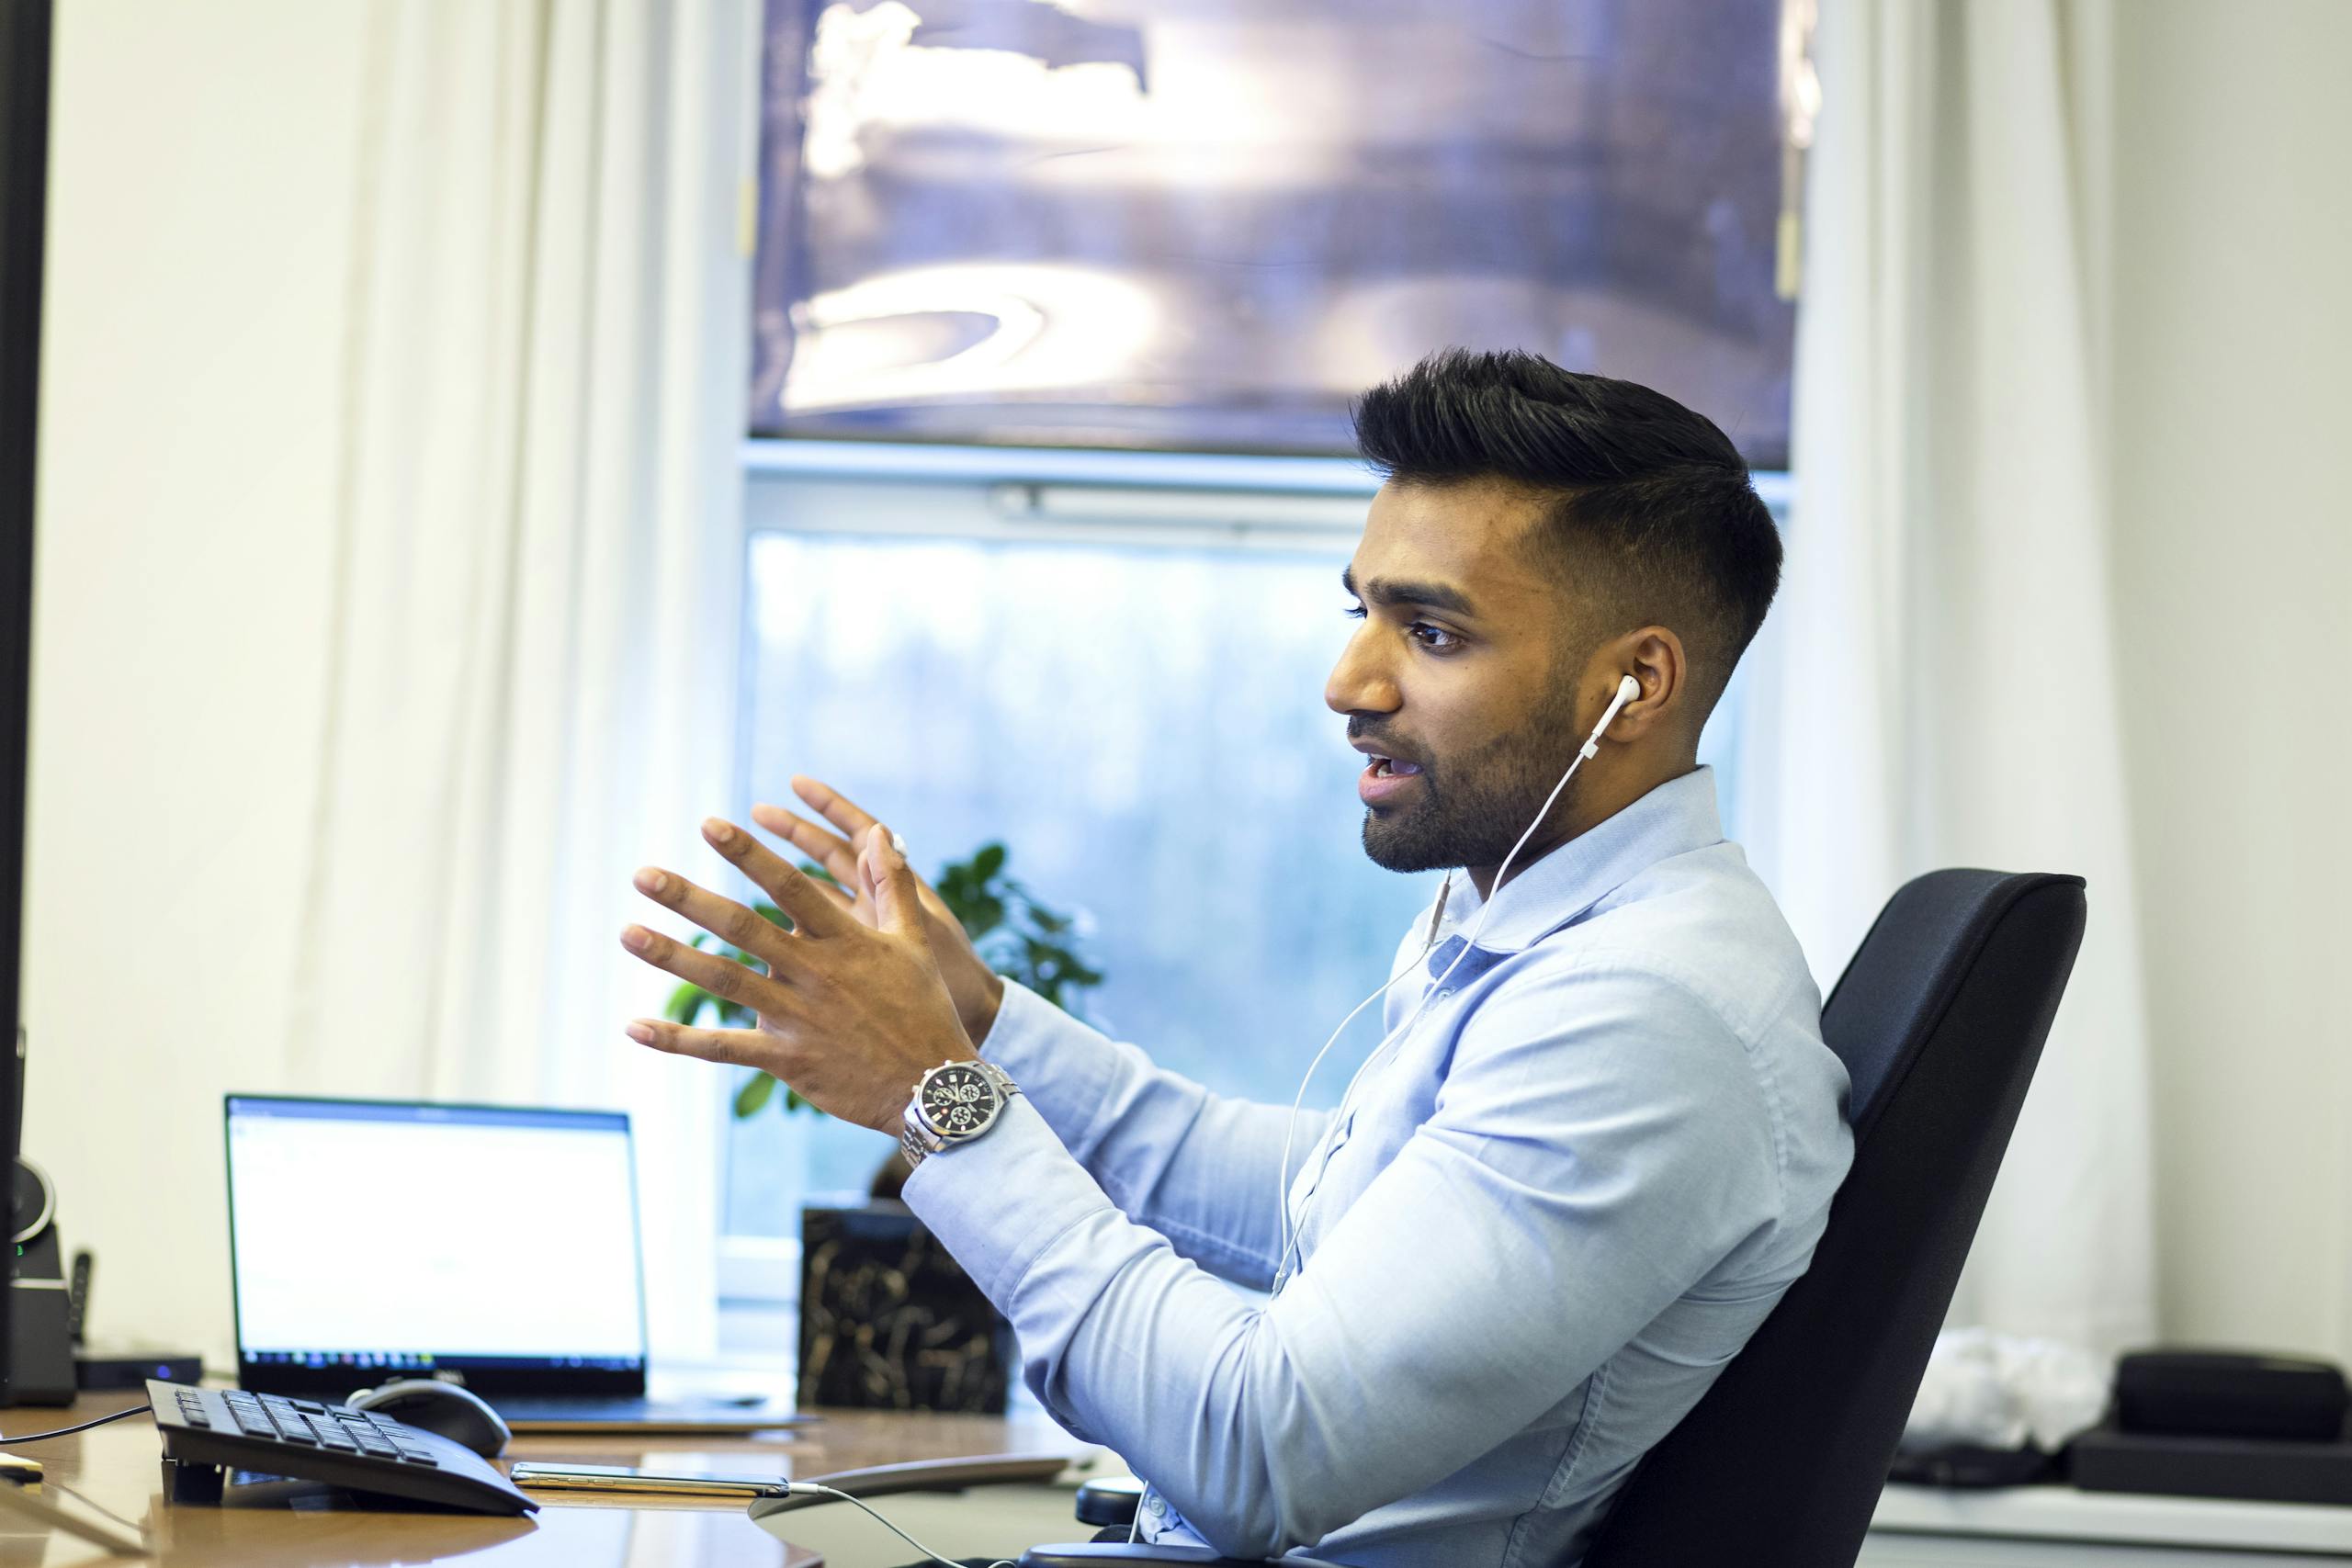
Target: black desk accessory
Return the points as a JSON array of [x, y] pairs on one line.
[[2221, 1424], [2256, 1470], [106, 1371], [2224, 1394], [40, 1333], [110, 1369], [209, 1433]]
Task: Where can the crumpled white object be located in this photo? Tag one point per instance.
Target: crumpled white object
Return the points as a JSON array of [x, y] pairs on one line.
[[1998, 1391]]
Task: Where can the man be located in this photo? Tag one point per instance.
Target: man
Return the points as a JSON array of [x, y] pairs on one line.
[[1565, 1192]]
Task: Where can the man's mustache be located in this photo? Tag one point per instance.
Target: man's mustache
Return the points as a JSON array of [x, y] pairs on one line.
[[1387, 745]]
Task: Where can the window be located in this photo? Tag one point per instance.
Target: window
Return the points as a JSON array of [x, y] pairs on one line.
[[1205, 224], [1123, 686]]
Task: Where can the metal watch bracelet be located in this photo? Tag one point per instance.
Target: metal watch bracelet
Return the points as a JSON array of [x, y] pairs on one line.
[[918, 1141]]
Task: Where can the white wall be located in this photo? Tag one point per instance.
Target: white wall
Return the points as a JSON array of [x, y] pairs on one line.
[[199, 212], [2233, 566]]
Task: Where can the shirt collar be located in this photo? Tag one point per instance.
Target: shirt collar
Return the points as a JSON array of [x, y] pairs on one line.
[[1677, 816]]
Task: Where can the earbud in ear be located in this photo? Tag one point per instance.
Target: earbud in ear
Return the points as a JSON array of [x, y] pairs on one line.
[[1627, 689]]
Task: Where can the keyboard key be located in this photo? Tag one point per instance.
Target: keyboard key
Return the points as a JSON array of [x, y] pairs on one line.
[[416, 1455], [309, 1407]]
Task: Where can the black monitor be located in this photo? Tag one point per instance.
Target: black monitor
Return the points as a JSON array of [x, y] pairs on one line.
[[24, 183]]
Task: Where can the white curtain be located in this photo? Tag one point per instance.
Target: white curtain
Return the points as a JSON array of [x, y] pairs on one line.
[[539, 569], [1940, 688]]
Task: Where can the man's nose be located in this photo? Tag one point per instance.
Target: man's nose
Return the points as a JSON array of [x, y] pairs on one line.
[[1359, 681]]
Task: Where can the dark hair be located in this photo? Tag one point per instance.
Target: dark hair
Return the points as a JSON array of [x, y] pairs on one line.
[[1647, 494]]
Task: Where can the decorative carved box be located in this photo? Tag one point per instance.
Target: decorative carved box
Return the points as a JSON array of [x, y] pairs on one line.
[[889, 1320]]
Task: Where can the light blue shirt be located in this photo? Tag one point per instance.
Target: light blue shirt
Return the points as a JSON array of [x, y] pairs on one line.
[[1559, 1204]]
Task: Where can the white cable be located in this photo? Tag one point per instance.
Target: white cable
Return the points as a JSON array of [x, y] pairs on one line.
[[877, 1519], [1290, 1128], [1290, 1232]]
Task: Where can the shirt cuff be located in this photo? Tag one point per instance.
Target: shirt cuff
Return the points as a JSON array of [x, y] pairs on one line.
[[1065, 1066], [1002, 1200]]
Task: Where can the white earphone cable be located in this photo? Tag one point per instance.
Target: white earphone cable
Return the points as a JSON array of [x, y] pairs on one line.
[[1290, 1229], [840, 1496]]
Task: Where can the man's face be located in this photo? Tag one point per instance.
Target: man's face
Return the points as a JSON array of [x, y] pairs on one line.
[[1458, 682]]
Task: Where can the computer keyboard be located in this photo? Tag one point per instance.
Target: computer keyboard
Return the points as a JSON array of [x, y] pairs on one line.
[[210, 1431]]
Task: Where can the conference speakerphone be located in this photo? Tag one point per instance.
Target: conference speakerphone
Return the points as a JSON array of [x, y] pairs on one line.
[[210, 1433]]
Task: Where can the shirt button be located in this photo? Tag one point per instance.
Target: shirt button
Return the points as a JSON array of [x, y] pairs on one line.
[[1154, 1506]]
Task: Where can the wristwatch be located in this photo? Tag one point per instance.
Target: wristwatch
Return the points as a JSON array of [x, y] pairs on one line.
[[953, 1103]]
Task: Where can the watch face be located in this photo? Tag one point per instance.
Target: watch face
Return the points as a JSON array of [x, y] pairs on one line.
[[959, 1101]]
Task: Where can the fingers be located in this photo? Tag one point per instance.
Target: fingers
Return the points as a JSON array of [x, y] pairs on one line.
[[834, 807], [720, 976], [896, 896], [835, 854], [735, 1047], [722, 917], [813, 913]]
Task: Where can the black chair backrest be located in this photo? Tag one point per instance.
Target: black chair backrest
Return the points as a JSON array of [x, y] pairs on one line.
[[1939, 1020]]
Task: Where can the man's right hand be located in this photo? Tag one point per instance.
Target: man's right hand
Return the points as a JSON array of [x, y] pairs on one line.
[[975, 988]]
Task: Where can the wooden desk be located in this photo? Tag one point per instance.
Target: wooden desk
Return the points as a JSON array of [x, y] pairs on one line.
[[115, 1467]]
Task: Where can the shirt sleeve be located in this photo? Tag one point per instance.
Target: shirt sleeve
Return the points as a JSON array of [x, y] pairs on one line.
[[1201, 1170], [1596, 1148]]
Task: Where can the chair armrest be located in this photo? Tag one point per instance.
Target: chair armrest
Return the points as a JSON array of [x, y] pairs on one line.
[[1143, 1553]]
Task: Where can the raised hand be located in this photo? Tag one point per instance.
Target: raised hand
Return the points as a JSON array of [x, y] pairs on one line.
[[975, 987], [850, 1014]]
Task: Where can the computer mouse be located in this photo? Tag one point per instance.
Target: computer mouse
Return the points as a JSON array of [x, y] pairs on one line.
[[442, 1408]]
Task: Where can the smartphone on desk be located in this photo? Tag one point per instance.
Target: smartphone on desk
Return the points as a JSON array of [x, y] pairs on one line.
[[620, 1480]]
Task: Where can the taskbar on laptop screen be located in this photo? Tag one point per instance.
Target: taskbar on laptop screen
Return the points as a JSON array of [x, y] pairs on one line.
[[334, 1373]]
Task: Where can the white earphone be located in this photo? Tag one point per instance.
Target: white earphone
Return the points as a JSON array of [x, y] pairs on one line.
[[1628, 689]]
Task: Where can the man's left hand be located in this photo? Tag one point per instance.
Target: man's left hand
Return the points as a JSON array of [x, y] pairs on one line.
[[849, 1016]]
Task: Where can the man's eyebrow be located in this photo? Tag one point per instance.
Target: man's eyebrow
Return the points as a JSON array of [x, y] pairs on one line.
[[1386, 593]]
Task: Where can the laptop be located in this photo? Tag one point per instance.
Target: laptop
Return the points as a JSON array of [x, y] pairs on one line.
[[371, 1240]]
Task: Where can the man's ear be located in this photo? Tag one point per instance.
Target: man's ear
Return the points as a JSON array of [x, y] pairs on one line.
[[1652, 656]]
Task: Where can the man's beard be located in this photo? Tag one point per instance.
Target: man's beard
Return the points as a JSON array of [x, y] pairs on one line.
[[1473, 808]]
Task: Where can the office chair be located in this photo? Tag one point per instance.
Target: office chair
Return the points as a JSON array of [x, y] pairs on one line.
[[1939, 1019]]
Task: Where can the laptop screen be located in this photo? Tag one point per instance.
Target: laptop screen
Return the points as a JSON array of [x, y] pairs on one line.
[[416, 1238]]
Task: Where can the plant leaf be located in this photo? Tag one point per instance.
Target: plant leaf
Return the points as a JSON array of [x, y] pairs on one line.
[[754, 1094]]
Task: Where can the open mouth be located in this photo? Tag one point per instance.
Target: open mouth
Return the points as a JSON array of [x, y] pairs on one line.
[[1386, 780]]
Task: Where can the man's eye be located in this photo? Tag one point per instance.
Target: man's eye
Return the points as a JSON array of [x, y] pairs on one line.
[[1354, 612], [1437, 640]]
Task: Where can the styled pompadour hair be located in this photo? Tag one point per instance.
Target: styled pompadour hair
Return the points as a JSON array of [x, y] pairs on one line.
[[1650, 511]]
